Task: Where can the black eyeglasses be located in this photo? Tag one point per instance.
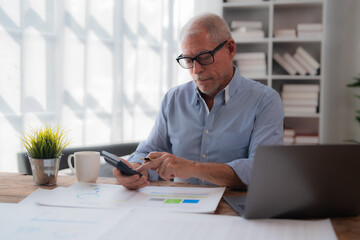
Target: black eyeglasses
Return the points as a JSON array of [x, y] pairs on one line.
[[205, 58]]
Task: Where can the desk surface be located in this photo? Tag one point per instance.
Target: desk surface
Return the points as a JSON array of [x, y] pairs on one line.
[[14, 187]]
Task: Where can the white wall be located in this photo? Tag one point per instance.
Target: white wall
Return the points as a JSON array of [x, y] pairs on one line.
[[342, 61]]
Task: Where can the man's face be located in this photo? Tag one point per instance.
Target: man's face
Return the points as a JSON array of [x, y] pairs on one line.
[[212, 78]]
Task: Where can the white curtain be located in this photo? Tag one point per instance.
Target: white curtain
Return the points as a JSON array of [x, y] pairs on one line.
[[99, 68]]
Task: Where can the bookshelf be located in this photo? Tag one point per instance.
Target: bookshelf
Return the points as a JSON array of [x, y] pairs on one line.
[[275, 15]]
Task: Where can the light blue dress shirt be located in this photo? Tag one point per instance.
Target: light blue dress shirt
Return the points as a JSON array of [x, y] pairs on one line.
[[245, 114]]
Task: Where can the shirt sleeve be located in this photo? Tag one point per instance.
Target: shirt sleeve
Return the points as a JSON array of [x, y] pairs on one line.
[[268, 130], [158, 140]]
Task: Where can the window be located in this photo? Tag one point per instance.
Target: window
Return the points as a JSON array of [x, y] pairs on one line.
[[98, 68]]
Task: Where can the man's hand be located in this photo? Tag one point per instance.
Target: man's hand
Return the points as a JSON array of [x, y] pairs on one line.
[[169, 166], [131, 182]]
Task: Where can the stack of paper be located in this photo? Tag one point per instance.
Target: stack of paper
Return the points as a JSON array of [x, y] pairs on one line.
[[29, 222], [104, 211]]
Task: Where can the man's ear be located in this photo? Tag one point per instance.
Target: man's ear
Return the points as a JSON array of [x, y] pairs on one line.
[[231, 46]]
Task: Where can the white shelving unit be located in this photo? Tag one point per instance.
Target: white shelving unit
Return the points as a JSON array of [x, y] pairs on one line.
[[280, 14]]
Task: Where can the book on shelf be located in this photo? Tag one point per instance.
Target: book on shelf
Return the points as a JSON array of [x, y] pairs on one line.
[[254, 34], [289, 132], [301, 62], [284, 64], [299, 95], [299, 109], [244, 1], [251, 64], [309, 69], [301, 87], [285, 33], [300, 102], [308, 58], [288, 140], [289, 136], [309, 27], [236, 24], [299, 69], [246, 30], [300, 98], [306, 138], [250, 56], [309, 30], [310, 34]]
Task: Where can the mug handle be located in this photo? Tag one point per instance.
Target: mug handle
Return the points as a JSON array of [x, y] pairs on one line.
[[69, 162]]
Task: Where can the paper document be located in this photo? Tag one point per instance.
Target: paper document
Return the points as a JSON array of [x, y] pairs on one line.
[[23, 221], [90, 195], [171, 225]]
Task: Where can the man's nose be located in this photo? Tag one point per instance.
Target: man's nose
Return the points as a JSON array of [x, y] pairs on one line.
[[197, 67]]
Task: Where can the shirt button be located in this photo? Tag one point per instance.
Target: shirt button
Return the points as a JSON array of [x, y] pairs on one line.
[[207, 131], [204, 155]]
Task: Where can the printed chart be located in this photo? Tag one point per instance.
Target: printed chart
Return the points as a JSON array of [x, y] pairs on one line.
[[88, 195]]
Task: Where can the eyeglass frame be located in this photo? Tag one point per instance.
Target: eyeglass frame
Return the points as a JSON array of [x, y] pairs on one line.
[[212, 53]]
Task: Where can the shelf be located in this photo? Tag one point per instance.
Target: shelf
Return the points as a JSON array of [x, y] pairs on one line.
[[296, 2], [252, 41], [296, 77], [285, 14], [296, 40], [249, 4], [302, 115]]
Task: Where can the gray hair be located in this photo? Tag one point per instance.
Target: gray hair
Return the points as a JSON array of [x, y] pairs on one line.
[[215, 26]]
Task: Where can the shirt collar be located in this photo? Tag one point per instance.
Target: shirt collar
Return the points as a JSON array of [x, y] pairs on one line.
[[227, 92]]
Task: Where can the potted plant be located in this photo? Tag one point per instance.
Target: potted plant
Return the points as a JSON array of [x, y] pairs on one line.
[[357, 117], [44, 147]]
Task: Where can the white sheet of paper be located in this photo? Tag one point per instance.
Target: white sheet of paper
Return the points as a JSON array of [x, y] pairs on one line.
[[39, 194], [25, 221], [183, 199], [146, 224]]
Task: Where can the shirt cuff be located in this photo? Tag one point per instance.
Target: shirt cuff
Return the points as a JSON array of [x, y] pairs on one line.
[[242, 168]]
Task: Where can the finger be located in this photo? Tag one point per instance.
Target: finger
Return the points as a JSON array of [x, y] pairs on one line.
[[153, 164], [155, 154]]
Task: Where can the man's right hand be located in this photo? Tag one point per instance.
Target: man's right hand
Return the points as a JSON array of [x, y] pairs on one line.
[[131, 182]]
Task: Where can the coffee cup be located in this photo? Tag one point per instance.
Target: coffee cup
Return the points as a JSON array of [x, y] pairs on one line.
[[87, 165]]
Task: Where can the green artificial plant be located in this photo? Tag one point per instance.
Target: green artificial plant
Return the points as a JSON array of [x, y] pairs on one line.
[[45, 143], [356, 84]]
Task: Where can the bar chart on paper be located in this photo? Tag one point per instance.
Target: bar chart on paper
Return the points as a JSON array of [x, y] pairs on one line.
[[182, 199], [188, 199]]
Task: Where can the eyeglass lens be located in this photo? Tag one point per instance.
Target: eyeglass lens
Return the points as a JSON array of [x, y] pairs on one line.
[[203, 59]]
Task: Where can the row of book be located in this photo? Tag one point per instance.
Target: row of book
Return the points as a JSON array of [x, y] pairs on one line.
[[301, 62], [300, 98], [291, 137], [303, 30], [241, 30], [251, 64]]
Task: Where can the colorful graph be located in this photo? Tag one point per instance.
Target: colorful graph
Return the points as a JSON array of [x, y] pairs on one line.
[[177, 197]]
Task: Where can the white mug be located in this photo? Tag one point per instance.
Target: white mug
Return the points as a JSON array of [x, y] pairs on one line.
[[87, 165]]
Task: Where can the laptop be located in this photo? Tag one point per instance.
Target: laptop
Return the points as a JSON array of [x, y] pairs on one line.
[[302, 181]]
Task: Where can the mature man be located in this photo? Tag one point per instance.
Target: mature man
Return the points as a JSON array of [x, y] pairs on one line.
[[208, 129]]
